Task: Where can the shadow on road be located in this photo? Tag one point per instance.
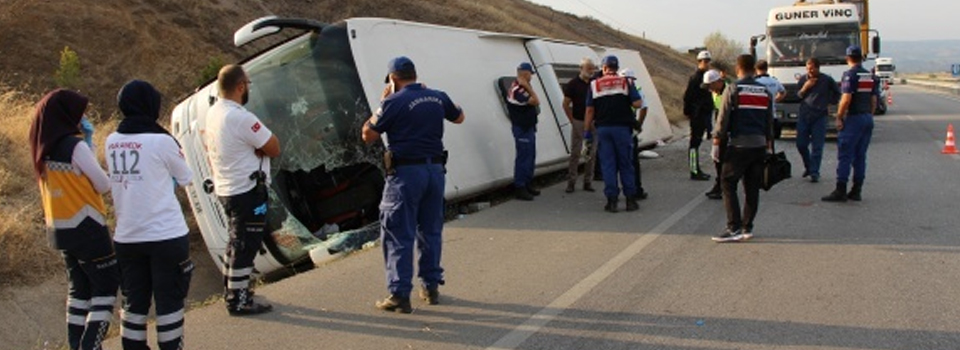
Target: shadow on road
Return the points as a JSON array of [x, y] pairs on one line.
[[458, 322]]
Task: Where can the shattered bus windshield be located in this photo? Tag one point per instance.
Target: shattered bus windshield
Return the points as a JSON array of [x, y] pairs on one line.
[[793, 46], [326, 184]]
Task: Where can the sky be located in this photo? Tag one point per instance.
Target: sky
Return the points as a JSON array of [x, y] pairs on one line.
[[684, 23]]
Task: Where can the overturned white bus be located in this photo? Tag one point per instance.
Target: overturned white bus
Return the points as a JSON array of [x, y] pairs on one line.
[[315, 90]]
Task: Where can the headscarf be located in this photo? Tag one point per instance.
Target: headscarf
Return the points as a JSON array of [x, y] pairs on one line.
[[58, 115], [140, 104]]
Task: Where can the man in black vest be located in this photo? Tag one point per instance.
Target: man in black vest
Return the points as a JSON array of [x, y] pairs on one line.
[[698, 107], [745, 131]]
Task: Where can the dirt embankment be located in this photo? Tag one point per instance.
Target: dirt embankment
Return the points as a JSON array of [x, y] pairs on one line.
[[168, 42]]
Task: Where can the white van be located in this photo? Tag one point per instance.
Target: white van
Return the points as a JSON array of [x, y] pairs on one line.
[[315, 91]]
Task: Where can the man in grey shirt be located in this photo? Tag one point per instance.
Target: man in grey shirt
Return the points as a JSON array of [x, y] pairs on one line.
[[817, 91], [745, 131]]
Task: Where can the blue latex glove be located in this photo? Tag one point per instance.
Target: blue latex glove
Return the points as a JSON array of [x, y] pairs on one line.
[[87, 128], [588, 136]]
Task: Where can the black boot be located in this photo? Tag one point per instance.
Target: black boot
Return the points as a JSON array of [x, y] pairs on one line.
[[533, 191], [715, 192], [838, 195], [699, 176], [588, 187], [632, 204], [430, 294], [523, 194], [241, 304], [396, 304], [611, 206], [854, 194]]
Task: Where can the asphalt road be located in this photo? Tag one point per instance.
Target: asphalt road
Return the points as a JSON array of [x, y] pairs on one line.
[[559, 273]]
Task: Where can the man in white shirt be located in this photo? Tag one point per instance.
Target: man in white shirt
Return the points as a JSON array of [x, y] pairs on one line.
[[239, 147], [151, 234]]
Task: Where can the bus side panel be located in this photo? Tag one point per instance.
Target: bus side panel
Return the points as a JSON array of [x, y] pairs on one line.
[[552, 59], [467, 66]]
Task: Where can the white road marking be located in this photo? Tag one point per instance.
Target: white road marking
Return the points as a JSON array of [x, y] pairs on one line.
[[939, 143], [536, 322]]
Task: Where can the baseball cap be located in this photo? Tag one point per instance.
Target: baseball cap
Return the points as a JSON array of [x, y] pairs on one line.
[[610, 61], [525, 66], [704, 55], [628, 73], [854, 50], [401, 63], [711, 76]]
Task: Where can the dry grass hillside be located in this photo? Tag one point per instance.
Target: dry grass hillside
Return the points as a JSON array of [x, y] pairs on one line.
[[21, 229], [168, 42]]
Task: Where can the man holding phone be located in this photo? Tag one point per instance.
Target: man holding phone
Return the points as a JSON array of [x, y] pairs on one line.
[[411, 212], [817, 92], [522, 104]]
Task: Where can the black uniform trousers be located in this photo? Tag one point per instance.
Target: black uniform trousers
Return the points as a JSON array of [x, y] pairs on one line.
[[94, 276], [698, 128], [718, 166], [247, 214], [746, 164], [636, 163], [158, 271]]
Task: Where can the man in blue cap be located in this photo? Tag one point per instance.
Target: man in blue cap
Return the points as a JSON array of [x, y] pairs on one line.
[[522, 104], [859, 89], [411, 212], [611, 101]]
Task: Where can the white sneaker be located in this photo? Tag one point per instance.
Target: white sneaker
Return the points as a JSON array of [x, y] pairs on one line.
[[727, 236], [746, 236]]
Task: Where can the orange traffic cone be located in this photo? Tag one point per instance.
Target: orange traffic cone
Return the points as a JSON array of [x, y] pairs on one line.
[[950, 147], [889, 97]]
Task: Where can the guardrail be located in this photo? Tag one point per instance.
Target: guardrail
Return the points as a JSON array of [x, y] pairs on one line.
[[952, 88]]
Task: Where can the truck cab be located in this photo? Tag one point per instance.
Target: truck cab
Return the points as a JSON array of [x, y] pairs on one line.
[[885, 69], [805, 30]]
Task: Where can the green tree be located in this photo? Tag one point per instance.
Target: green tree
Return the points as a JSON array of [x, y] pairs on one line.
[[723, 49], [210, 71], [68, 74]]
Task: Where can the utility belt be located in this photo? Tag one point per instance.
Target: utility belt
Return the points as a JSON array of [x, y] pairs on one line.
[[391, 162], [853, 112]]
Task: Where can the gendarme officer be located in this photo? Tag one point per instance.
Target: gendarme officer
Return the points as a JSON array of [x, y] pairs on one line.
[[745, 130], [611, 101], [411, 212], [859, 89]]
